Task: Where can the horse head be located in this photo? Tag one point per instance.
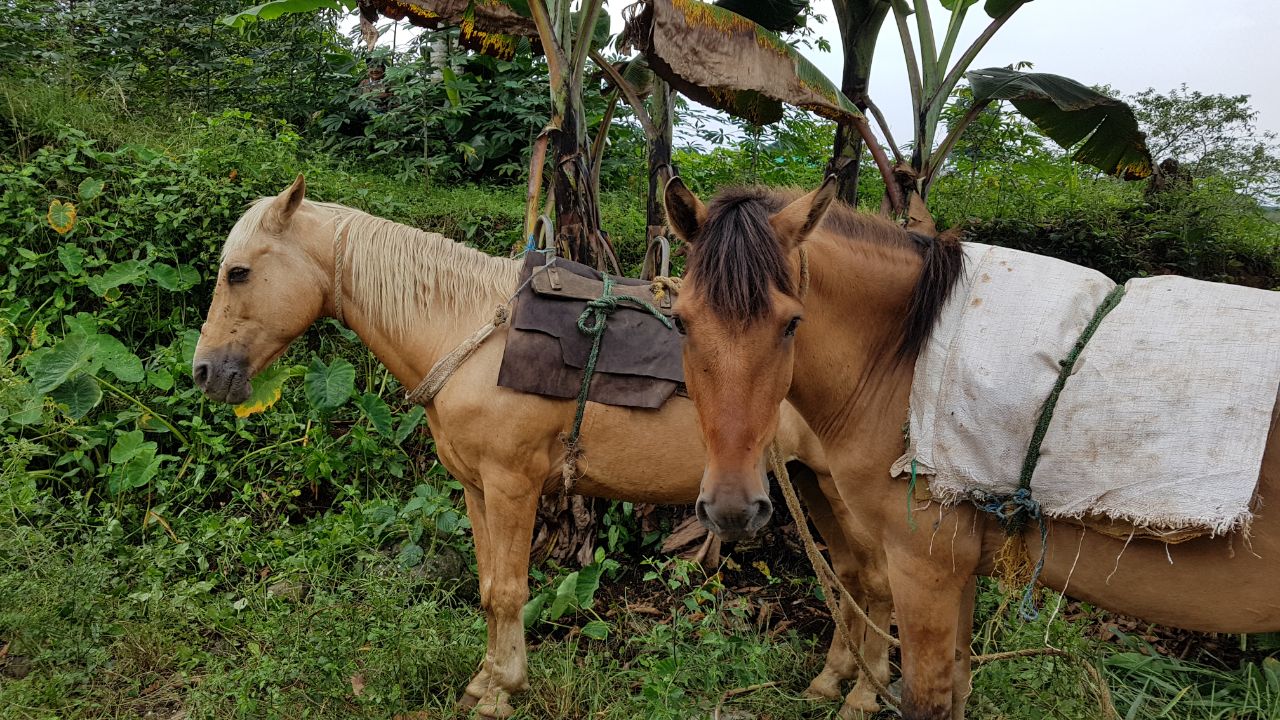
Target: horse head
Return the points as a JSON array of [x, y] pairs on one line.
[[740, 310], [272, 284]]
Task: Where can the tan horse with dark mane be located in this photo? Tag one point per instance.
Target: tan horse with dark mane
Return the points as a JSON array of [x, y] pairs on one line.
[[412, 297], [843, 354]]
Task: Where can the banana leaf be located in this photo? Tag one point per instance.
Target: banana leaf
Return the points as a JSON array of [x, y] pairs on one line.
[[775, 15], [490, 27], [1069, 113], [726, 61]]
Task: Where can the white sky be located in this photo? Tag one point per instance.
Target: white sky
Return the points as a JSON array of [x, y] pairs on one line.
[[1230, 47]]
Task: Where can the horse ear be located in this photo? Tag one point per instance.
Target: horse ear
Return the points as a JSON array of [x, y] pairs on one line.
[[685, 212], [286, 204], [795, 222]]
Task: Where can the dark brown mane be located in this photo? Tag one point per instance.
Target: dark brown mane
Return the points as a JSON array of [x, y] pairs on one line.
[[737, 258]]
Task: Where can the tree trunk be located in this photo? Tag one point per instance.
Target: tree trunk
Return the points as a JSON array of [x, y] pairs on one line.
[[660, 168]]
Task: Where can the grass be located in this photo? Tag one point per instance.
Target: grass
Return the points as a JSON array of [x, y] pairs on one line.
[[235, 616], [243, 608]]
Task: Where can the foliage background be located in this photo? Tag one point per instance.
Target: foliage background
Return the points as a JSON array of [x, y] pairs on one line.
[[157, 552]]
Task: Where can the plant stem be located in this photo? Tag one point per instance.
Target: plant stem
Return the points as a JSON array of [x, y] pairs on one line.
[[629, 92], [953, 77], [146, 409], [884, 128]]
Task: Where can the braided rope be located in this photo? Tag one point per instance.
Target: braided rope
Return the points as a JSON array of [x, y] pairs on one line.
[[592, 323], [440, 373]]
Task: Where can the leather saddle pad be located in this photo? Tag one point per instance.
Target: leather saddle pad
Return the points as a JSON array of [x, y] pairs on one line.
[[639, 364]]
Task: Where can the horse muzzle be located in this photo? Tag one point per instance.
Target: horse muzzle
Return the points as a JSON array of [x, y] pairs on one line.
[[731, 512], [223, 376]]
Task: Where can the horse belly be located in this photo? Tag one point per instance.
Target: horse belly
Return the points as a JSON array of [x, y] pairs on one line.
[[641, 455]]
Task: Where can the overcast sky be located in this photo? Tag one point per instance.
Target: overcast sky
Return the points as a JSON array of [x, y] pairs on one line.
[[1230, 47]]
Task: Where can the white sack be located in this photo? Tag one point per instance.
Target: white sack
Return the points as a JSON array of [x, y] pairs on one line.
[[1162, 424]]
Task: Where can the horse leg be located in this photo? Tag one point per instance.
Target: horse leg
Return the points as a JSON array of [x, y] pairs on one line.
[[927, 595], [479, 684], [510, 503], [862, 700], [963, 674], [866, 584], [839, 665]]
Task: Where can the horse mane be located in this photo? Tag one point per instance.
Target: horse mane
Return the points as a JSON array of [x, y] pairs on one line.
[[399, 273], [737, 258]]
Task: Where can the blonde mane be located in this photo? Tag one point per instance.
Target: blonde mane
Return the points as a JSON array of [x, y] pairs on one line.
[[399, 274]]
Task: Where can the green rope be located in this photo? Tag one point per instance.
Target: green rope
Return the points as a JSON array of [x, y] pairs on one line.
[[1015, 510], [592, 322], [1068, 365], [911, 497]]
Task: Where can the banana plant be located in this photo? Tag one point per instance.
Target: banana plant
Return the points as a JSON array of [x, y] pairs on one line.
[[1065, 110]]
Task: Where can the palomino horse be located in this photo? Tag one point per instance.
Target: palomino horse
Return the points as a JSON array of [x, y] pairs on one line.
[[873, 294], [412, 297]]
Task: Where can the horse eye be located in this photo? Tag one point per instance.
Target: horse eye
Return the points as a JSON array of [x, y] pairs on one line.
[[679, 324], [791, 327], [237, 275]]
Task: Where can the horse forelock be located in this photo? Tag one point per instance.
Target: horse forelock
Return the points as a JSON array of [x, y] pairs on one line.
[[737, 258]]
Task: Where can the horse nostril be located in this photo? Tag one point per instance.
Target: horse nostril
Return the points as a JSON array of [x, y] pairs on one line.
[[200, 373], [763, 511]]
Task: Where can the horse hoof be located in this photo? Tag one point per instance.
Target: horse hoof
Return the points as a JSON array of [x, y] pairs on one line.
[[858, 708], [823, 689], [495, 710]]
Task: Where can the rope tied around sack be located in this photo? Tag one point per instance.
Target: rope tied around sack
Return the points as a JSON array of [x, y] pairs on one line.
[[1018, 509], [592, 322]]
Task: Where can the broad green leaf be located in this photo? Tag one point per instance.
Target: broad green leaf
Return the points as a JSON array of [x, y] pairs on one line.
[[90, 188], [449, 522], [451, 86], [726, 61], [775, 15], [72, 259], [30, 406], [953, 4], [267, 387], [128, 272], [411, 555], [1071, 113], [566, 593], [276, 8], [139, 470], [50, 367], [596, 630], [588, 583], [377, 412], [533, 610], [80, 394], [329, 386], [860, 23], [409, 422], [128, 445], [996, 8], [6, 347], [167, 277], [116, 359]]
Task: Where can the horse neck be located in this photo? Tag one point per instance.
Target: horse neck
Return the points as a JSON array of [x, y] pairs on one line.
[[412, 296], [848, 382]]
